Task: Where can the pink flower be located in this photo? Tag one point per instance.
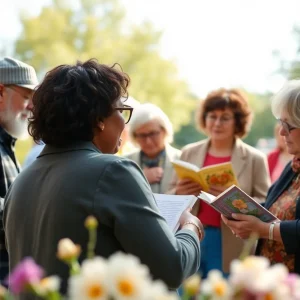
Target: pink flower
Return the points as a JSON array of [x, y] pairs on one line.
[[27, 272], [293, 282]]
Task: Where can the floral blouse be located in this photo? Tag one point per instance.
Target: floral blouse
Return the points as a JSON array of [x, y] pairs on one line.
[[284, 209]]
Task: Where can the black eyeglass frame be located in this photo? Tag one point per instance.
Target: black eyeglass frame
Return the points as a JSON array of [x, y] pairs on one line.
[[286, 126], [125, 107]]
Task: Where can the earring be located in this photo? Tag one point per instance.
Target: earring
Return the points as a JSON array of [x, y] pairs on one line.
[[101, 126]]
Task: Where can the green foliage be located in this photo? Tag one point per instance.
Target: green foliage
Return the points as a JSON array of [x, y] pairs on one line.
[[62, 34], [188, 134], [263, 126]]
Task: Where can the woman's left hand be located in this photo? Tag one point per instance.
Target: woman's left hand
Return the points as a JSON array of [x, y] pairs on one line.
[[216, 190], [244, 225]]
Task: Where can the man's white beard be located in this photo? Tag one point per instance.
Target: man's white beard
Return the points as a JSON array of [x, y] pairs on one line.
[[15, 125]]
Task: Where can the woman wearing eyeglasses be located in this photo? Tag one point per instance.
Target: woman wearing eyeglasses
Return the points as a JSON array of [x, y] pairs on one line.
[[151, 129], [225, 117], [279, 241], [79, 114]]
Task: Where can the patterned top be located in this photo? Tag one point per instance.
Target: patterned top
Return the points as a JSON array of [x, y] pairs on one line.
[[9, 169], [285, 209], [158, 161]]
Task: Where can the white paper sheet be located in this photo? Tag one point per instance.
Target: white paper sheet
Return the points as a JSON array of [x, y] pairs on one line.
[[172, 206]]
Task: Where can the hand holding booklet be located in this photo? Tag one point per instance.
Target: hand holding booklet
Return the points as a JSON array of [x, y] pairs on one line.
[[219, 174], [235, 200], [171, 207]]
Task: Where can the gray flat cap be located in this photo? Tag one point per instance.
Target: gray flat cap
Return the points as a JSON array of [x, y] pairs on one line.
[[13, 71]]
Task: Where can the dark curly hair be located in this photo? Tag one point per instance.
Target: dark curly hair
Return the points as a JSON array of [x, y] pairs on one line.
[[73, 99], [222, 99]]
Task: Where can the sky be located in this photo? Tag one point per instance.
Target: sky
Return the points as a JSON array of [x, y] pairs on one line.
[[215, 43]]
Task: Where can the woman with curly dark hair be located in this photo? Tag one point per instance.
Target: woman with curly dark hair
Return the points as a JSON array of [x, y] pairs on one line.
[[79, 115], [225, 117]]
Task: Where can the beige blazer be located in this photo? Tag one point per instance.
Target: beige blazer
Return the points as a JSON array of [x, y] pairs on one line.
[[251, 169], [171, 154]]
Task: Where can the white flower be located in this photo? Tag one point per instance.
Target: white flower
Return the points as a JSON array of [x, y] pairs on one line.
[[128, 279], [91, 283], [216, 286], [67, 250], [49, 284], [269, 279], [256, 277], [159, 291], [245, 273]]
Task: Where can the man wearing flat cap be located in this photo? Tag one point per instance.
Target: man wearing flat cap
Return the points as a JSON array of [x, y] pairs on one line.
[[17, 82]]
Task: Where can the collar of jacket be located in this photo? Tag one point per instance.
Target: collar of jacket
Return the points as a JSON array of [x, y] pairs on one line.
[[89, 146], [6, 138]]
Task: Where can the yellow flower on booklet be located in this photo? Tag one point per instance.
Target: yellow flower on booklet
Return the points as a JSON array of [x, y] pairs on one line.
[[239, 204]]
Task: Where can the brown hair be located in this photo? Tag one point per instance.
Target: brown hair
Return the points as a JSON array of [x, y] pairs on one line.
[[222, 99]]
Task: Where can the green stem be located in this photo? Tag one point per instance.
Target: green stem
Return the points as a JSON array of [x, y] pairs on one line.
[[53, 296], [74, 267], [92, 243], [249, 244]]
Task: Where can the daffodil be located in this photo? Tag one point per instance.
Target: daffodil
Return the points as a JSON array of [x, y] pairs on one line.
[[216, 287], [91, 283], [127, 277]]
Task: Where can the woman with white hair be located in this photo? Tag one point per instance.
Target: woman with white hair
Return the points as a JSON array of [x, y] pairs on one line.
[[279, 241], [151, 129]]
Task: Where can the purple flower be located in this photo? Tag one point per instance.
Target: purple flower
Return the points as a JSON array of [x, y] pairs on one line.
[[27, 272]]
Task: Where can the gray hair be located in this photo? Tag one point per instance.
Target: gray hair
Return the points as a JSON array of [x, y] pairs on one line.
[[287, 100], [147, 112]]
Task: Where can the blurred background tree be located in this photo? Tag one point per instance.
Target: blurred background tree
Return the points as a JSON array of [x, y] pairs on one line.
[[64, 32]]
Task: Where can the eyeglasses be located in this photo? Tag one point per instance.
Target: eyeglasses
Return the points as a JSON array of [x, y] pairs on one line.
[[143, 136], [126, 112], [286, 126], [223, 119], [25, 95]]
